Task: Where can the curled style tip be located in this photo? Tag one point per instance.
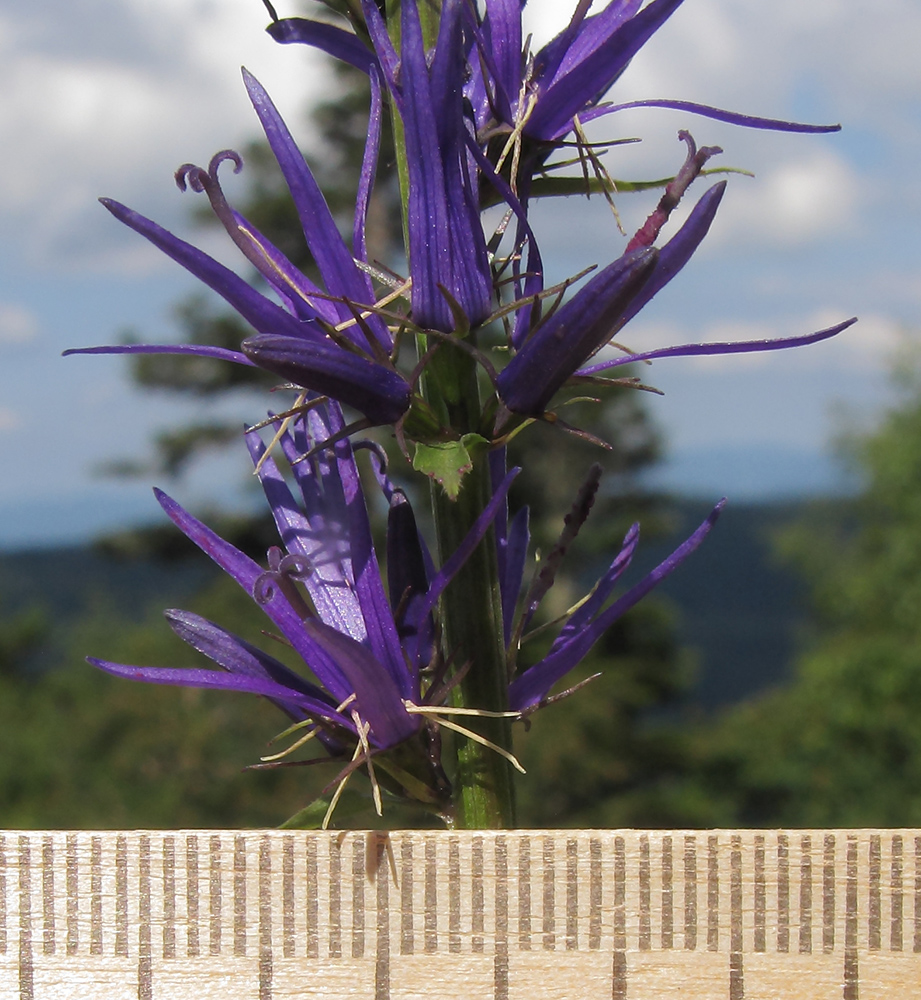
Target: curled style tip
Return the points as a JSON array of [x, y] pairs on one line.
[[199, 179]]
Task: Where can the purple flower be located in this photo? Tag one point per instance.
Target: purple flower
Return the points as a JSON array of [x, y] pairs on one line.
[[541, 96], [325, 340], [531, 687], [570, 75], [556, 348], [371, 656]]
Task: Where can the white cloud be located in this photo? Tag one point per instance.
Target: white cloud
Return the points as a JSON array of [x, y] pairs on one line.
[[9, 420], [18, 324], [811, 198], [113, 98]]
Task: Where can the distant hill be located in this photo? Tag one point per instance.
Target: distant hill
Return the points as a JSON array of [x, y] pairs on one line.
[[738, 608]]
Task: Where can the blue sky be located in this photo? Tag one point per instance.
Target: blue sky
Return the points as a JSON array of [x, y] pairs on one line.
[[108, 97]]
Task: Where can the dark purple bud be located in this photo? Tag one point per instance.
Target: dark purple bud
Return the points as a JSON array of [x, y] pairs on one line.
[[380, 393], [573, 334]]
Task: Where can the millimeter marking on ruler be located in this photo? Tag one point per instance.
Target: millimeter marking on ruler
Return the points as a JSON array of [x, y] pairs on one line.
[[523, 915]]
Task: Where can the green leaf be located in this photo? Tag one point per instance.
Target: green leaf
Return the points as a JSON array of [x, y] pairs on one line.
[[447, 462]]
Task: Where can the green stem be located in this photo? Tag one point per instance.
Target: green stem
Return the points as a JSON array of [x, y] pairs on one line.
[[471, 608], [472, 614]]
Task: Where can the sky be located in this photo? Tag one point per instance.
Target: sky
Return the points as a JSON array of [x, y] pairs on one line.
[[108, 97]]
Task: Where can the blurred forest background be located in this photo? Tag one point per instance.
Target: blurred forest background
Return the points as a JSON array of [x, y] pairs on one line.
[[775, 679]]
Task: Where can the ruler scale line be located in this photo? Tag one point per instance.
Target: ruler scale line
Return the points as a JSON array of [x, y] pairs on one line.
[[193, 933], [96, 896], [215, 897], [783, 893], [668, 900], [645, 931], [548, 894], [805, 896], [379, 845], [265, 920], [169, 897], [828, 895], [874, 916], [595, 894], [736, 973], [851, 970], [121, 896], [690, 893], [361, 855], [500, 964], [759, 937], [26, 979], [4, 905], [430, 897], [145, 966], [48, 896], [713, 894], [895, 886]]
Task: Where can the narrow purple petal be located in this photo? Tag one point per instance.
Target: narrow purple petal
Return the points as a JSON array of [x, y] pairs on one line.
[[236, 655], [245, 571], [732, 117], [732, 347], [516, 554], [503, 28], [535, 683], [320, 538], [586, 81], [198, 350], [380, 393], [473, 538], [383, 640], [595, 32], [333, 258], [195, 677], [336, 42], [547, 61], [573, 333], [534, 282], [368, 169], [383, 47], [446, 243], [603, 589], [302, 297], [256, 309], [240, 657]]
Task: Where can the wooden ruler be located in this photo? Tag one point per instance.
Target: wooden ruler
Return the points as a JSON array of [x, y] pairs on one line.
[[525, 915]]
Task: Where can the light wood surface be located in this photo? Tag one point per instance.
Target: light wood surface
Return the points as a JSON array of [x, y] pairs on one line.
[[524, 915]]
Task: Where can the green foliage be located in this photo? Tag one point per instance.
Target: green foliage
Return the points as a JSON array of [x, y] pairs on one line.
[[841, 746], [81, 749]]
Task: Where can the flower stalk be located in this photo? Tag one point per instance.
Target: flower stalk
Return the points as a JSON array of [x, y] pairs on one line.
[[471, 613]]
